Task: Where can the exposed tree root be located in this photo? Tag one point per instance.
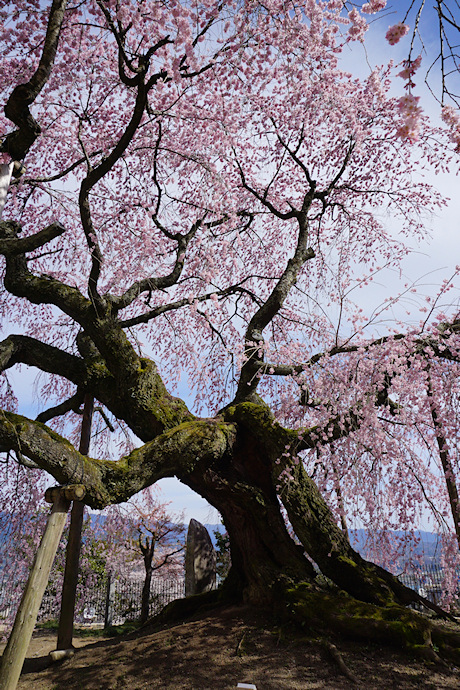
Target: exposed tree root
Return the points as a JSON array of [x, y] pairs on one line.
[[337, 657], [323, 613], [392, 625]]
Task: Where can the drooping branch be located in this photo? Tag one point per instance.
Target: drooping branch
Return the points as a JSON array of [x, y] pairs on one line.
[[18, 143], [446, 460]]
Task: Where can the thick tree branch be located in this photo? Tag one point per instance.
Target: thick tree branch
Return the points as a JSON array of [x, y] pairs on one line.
[[18, 143], [175, 453], [12, 245], [39, 289], [72, 404], [21, 349], [253, 337]]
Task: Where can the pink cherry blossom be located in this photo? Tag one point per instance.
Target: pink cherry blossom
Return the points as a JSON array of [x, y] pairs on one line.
[[374, 6], [396, 32], [452, 120]]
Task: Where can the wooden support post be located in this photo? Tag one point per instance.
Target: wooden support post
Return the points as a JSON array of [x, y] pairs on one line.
[[69, 587], [26, 617]]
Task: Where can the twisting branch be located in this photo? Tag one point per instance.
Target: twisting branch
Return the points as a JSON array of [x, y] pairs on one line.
[[163, 282], [123, 59], [97, 173], [172, 306], [38, 289], [18, 143], [260, 197]]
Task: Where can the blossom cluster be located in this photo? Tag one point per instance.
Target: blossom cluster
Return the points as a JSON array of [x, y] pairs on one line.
[[410, 68], [408, 106], [396, 32], [410, 112], [452, 120], [373, 6], [359, 25]]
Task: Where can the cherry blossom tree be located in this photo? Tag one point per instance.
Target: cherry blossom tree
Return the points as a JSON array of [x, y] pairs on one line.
[[205, 191], [143, 535]]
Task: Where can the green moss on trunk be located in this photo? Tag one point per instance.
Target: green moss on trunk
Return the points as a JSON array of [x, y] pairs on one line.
[[391, 625]]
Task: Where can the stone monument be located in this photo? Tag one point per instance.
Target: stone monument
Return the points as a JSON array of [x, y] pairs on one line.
[[200, 560]]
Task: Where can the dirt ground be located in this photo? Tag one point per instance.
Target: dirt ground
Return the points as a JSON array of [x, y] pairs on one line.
[[229, 646]]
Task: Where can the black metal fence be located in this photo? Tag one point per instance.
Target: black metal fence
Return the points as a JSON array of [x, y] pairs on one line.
[[428, 581], [115, 600], [112, 601]]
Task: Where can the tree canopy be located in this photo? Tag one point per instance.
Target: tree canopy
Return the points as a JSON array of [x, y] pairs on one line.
[[205, 188]]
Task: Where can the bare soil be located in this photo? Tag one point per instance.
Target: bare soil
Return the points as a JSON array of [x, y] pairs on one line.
[[216, 652]]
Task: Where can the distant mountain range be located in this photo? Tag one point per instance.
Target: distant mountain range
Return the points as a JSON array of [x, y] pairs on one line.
[[419, 546], [425, 546]]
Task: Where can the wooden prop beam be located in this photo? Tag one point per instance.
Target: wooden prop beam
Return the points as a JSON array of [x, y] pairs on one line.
[[26, 617]]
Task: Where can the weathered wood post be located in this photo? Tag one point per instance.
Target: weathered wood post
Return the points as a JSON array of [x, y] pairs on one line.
[[69, 587], [26, 617]]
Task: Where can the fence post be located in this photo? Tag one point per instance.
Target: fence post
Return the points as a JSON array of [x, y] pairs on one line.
[[108, 616], [26, 617]]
